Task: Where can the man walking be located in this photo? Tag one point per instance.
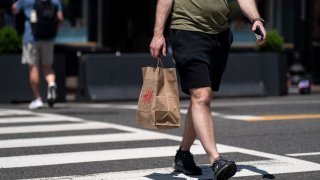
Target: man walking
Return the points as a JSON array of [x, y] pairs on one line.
[[38, 44], [201, 40]]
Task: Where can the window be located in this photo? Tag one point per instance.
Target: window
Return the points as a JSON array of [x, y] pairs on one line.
[[74, 28]]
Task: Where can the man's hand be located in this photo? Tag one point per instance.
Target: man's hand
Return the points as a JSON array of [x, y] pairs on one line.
[[158, 46], [158, 43], [263, 30], [250, 10]]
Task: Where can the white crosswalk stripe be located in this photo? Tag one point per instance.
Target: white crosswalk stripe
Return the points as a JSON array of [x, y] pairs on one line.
[[30, 120], [272, 164], [50, 128], [81, 139]]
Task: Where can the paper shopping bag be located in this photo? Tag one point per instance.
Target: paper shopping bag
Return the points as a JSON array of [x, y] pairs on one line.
[[158, 106]]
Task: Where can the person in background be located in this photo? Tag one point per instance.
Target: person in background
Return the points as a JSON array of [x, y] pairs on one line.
[[200, 39], [38, 52]]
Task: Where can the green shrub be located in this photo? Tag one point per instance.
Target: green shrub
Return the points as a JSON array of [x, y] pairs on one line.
[[274, 42], [10, 42]]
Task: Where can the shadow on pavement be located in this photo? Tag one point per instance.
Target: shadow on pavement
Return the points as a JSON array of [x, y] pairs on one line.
[[207, 174]]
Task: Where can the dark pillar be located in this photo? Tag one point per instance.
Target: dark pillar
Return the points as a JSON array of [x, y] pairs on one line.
[[100, 22], [107, 23], [315, 41], [297, 69], [92, 21]]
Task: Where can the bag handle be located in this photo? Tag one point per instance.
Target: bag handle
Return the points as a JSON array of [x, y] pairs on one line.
[[159, 61]]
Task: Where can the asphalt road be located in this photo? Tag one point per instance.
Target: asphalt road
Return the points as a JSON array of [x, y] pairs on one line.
[[268, 137]]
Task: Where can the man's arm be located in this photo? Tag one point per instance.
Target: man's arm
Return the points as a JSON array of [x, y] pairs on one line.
[[250, 10], [60, 16], [158, 43], [14, 8]]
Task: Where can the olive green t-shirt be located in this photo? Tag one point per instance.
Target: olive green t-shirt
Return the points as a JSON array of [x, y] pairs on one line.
[[208, 16]]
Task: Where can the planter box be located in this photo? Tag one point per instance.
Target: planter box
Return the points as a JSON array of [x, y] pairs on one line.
[[15, 79], [105, 77], [255, 74], [15, 86]]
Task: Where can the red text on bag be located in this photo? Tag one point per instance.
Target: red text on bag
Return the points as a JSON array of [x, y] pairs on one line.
[[147, 96]]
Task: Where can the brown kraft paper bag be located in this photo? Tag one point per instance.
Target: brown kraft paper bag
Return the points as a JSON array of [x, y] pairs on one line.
[[159, 106]]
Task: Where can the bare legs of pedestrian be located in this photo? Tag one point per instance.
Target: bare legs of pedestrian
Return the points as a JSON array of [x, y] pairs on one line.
[[34, 77], [199, 123], [50, 77], [35, 86], [49, 74]]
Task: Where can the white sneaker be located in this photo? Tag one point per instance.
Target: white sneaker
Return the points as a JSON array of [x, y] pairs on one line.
[[36, 104]]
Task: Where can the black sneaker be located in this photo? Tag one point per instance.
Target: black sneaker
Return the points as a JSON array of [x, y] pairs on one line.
[[183, 162], [223, 169], [52, 95]]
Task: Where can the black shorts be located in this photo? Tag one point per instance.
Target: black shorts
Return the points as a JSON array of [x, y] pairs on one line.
[[200, 58]]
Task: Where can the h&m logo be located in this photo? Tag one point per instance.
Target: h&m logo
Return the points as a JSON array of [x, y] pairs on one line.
[[148, 96]]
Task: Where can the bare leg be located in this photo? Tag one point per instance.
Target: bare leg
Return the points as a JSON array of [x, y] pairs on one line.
[[49, 74], [189, 135], [202, 120], [35, 80]]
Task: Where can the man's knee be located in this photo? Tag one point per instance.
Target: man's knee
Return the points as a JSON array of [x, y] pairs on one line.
[[201, 96]]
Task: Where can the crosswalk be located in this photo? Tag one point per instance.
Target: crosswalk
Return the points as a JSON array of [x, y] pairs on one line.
[[81, 149]]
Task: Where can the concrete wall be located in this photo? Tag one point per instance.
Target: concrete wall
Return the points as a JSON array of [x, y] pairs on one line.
[[106, 77], [255, 74], [15, 86]]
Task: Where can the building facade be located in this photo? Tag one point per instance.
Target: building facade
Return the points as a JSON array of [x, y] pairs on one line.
[[127, 26]]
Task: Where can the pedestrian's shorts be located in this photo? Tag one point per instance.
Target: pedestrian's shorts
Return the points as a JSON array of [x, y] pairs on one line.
[[40, 52], [200, 58]]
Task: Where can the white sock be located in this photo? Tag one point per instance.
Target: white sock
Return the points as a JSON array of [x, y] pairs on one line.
[[52, 84]]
